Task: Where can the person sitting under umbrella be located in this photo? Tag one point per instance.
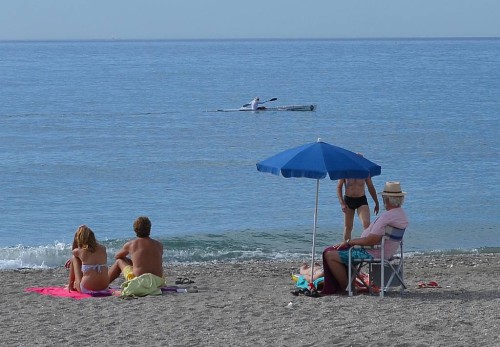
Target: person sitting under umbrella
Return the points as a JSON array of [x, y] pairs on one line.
[[336, 258]]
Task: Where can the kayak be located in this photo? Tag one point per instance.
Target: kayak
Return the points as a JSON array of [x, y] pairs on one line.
[[302, 108]]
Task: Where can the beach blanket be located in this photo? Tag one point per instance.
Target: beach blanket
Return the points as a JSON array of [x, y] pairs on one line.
[[63, 292], [145, 284]]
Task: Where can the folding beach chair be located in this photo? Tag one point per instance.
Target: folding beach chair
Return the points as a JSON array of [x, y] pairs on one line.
[[382, 272]]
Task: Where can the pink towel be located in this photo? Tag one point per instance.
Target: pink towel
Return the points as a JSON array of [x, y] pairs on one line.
[[63, 292]]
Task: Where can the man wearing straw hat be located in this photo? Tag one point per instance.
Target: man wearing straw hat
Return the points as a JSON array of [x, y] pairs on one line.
[[336, 258]]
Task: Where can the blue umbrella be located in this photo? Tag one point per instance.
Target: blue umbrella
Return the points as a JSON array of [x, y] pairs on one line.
[[317, 160]]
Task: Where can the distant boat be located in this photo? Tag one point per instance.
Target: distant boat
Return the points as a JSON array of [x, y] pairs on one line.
[[301, 108]]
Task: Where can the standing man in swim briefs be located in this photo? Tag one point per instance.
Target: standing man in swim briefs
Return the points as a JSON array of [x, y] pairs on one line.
[[355, 199]]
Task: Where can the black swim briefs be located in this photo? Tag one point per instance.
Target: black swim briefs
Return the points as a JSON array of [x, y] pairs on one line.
[[354, 203]]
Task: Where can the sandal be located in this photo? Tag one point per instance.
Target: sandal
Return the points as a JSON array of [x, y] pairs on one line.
[[431, 284], [127, 297], [313, 293], [183, 280]]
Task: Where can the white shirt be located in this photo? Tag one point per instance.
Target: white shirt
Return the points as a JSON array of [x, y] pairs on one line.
[[254, 104], [395, 217]]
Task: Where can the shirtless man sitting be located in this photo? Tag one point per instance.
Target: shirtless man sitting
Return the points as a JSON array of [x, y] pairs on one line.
[[146, 254], [355, 199]]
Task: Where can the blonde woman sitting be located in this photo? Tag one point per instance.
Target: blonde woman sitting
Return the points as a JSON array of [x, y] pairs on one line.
[[88, 266]]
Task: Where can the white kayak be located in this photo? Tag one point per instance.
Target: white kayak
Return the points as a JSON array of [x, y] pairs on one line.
[[303, 108]]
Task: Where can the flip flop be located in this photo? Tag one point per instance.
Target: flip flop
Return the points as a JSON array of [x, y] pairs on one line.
[[183, 280], [301, 291], [313, 293], [127, 297], [431, 284]]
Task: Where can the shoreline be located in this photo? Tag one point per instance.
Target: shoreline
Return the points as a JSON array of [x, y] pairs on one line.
[[54, 258], [247, 304]]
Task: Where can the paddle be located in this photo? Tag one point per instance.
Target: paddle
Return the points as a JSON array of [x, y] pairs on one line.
[[263, 102]]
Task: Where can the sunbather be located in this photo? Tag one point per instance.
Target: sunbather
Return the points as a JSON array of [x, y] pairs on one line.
[[88, 265], [305, 271]]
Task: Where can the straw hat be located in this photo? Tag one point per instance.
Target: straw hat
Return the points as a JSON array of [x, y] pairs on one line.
[[393, 189]]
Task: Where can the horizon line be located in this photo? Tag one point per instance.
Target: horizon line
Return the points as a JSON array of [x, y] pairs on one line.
[[114, 39]]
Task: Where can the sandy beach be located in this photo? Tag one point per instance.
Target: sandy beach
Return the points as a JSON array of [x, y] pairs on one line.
[[248, 304]]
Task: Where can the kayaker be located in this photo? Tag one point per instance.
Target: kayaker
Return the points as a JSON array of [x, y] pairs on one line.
[[254, 104]]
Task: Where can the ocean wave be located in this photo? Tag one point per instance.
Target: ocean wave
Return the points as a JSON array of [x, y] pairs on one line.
[[34, 257], [230, 247]]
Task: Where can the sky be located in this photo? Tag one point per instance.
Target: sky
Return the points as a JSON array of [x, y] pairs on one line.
[[237, 19]]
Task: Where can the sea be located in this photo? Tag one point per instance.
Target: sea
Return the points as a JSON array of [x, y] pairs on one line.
[[101, 132]]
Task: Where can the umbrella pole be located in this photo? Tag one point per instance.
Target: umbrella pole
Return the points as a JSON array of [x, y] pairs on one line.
[[314, 231]]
